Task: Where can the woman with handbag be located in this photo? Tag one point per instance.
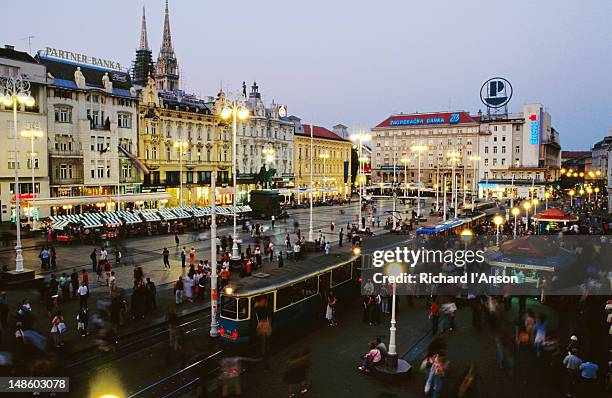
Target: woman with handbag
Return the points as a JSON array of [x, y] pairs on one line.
[[57, 328]]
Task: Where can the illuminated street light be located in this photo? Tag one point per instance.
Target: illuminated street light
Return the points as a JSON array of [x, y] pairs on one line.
[[546, 197], [419, 149], [515, 212], [360, 137], [498, 220], [571, 194], [31, 134]]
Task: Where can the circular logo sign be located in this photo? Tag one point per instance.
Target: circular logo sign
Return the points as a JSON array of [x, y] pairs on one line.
[[282, 111], [496, 92]]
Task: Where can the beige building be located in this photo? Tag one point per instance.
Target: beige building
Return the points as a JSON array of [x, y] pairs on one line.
[[331, 160], [15, 63]]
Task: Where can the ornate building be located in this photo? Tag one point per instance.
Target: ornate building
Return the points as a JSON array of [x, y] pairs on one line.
[[181, 139], [265, 145], [331, 160], [142, 66]]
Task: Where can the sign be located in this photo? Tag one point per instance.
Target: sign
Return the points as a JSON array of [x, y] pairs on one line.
[[282, 111], [496, 92], [454, 118], [81, 58], [534, 132]]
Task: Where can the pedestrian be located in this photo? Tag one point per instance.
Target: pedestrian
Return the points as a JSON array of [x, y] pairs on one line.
[[94, 260], [225, 277], [271, 251], [83, 292], [192, 256], [58, 327], [183, 258], [288, 242], [64, 284], [281, 262], [435, 380], [118, 256], [588, 379], [340, 236], [296, 251], [112, 282], [370, 358], [166, 254], [273, 220], [151, 293], [201, 285], [572, 365], [82, 321], [176, 240], [85, 277], [327, 248], [434, 316], [330, 313], [178, 292], [53, 256], [74, 281]]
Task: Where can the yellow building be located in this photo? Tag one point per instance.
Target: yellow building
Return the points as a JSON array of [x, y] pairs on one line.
[[177, 132], [331, 162]]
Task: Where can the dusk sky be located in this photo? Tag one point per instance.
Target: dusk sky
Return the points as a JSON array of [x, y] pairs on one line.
[[356, 62]]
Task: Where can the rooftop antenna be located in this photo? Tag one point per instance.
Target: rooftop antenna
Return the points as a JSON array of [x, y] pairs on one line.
[[29, 39]]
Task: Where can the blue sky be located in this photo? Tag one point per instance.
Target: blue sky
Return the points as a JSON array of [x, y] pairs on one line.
[[356, 62]]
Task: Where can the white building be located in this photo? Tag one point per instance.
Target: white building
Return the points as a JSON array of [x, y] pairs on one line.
[[265, 139], [92, 133], [523, 147], [17, 63]]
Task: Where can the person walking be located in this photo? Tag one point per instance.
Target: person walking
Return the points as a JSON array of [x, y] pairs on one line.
[[83, 292], [118, 256], [112, 280], [572, 365], [330, 313], [340, 237], [183, 258], [74, 281], [58, 327], [176, 240], [53, 257], [178, 291], [166, 254], [288, 242], [192, 256], [434, 316], [151, 293], [273, 219], [281, 262], [94, 260], [435, 381], [82, 321]]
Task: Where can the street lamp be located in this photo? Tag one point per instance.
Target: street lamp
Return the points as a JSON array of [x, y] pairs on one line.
[[571, 194], [419, 149], [527, 206], [515, 213], [394, 270], [269, 155], [31, 134], [475, 160], [405, 161], [589, 191], [180, 145], [360, 137], [15, 91], [546, 197], [453, 157], [498, 220], [535, 202], [236, 110], [596, 192]]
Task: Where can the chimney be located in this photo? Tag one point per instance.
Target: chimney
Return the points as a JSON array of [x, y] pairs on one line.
[[9, 47]]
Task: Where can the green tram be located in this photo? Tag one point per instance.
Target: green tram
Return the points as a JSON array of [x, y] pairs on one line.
[[296, 295]]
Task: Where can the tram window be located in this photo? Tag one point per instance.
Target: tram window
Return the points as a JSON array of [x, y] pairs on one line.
[[284, 297], [341, 274], [296, 292], [228, 307], [243, 308]]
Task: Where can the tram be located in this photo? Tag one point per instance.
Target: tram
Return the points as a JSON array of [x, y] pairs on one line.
[[480, 206], [295, 296]]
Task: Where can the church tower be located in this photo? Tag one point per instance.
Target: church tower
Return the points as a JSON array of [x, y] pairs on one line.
[[167, 74], [143, 64]]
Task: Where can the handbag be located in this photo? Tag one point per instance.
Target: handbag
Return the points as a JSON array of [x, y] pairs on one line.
[[329, 313], [61, 327]]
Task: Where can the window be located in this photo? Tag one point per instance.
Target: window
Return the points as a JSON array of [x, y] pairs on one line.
[[11, 160], [517, 149], [341, 274], [154, 153], [494, 128], [486, 162], [504, 137], [100, 144], [503, 161], [296, 292], [168, 153], [494, 149], [30, 163], [494, 139], [63, 115], [486, 149], [124, 120], [229, 307], [199, 133], [494, 162], [208, 155], [100, 169], [503, 149]]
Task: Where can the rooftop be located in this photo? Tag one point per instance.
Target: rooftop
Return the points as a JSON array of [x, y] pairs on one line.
[[320, 132], [9, 52], [427, 119]]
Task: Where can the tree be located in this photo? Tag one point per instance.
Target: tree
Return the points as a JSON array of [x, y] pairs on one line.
[[354, 164]]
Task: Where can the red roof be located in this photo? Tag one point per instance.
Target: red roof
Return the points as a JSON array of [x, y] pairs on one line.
[[320, 132], [428, 119], [554, 214]]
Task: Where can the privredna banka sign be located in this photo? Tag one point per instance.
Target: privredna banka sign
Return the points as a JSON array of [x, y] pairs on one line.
[[81, 58]]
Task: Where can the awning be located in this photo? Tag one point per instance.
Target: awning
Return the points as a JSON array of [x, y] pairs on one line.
[[167, 214], [181, 212], [87, 200], [60, 225], [150, 215], [130, 218]]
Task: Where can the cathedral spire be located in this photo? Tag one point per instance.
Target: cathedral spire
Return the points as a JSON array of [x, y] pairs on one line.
[[167, 39], [144, 42]]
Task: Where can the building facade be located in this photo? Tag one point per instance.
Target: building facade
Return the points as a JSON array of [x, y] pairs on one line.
[[265, 146], [92, 128], [331, 162], [15, 63], [395, 138]]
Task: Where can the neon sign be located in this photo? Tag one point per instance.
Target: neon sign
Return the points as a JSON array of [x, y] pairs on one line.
[[419, 120], [534, 130]]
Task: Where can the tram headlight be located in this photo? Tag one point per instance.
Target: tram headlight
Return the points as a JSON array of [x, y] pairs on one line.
[[229, 290], [356, 250]]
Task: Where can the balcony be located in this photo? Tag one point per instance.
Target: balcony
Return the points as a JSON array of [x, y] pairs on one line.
[[65, 153]]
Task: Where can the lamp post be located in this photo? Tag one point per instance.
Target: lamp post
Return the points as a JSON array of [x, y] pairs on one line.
[[571, 194], [180, 145], [405, 161], [236, 110], [527, 206], [589, 191], [419, 149], [453, 157], [394, 185], [15, 91], [474, 160], [214, 323], [535, 202], [269, 155], [515, 213], [31, 134], [596, 190], [360, 138], [444, 198], [310, 232], [394, 270], [498, 221], [546, 197]]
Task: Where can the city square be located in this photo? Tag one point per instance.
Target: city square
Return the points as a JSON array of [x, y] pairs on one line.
[[197, 201]]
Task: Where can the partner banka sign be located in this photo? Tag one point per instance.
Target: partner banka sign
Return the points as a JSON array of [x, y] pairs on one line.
[[80, 58], [496, 92]]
